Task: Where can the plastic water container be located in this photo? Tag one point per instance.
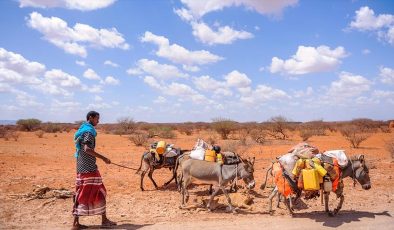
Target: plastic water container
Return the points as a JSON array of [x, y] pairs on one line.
[[327, 185], [161, 147], [311, 179], [210, 155], [219, 158]]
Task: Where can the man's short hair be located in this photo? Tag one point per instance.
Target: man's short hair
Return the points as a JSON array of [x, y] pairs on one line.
[[92, 114]]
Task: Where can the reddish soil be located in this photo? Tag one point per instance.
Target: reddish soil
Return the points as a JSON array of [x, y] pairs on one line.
[[49, 161]]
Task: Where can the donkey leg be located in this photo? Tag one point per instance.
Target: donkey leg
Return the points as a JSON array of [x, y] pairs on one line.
[[341, 199], [213, 194], [150, 174], [173, 177], [228, 199], [273, 193], [142, 180], [287, 203], [326, 199], [278, 200]]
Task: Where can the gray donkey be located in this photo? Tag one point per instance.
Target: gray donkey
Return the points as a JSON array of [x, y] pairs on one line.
[[214, 173], [356, 169], [148, 165]]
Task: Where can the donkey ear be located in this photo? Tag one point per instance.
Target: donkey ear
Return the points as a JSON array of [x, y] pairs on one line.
[[361, 157], [253, 160]]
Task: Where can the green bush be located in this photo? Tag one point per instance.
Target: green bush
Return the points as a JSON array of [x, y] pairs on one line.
[[28, 124]]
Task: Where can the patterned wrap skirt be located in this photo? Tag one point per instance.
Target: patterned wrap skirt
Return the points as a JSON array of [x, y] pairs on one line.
[[90, 195]]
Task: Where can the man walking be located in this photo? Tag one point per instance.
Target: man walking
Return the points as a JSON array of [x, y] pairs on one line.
[[90, 191]]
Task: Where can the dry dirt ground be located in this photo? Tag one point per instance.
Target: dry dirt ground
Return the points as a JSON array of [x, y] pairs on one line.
[[49, 161]]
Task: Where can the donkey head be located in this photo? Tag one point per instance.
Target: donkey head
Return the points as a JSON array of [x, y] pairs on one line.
[[246, 170], [361, 171]]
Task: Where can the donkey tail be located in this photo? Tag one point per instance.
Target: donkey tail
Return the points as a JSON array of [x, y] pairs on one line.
[[262, 187]]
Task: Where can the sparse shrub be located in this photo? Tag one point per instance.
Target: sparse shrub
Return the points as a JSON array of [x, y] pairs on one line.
[[390, 148], [40, 133], [126, 125], [186, 128], [305, 134], [166, 132], [241, 135], [277, 127], [28, 124], [139, 138], [211, 138], [258, 135], [223, 126], [385, 129], [3, 131], [354, 135], [51, 127], [12, 135]]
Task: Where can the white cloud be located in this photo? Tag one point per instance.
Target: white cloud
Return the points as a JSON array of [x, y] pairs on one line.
[[75, 40], [237, 79], [80, 63], [98, 106], [14, 68], [110, 63], [61, 78], [111, 80], [348, 86], [91, 75], [93, 89], [68, 106], [98, 98], [84, 5], [206, 83], [151, 81], [155, 69], [263, 94], [223, 35], [200, 8], [386, 75], [304, 93], [179, 54], [160, 100], [382, 24], [366, 51], [309, 60]]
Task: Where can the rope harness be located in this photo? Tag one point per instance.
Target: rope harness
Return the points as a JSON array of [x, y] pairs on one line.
[[354, 174], [122, 166]]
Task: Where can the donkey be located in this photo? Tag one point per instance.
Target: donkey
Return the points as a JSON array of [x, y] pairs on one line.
[[356, 169], [214, 173], [148, 165]]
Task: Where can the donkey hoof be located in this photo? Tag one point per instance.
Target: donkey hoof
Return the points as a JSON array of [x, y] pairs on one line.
[[271, 212], [330, 214]]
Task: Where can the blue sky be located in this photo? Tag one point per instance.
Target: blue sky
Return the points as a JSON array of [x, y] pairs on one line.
[[191, 60]]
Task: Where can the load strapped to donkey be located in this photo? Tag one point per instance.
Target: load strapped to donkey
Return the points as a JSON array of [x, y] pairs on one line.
[[303, 168]]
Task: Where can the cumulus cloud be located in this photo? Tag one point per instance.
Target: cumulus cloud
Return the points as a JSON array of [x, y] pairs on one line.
[[223, 35], [91, 75], [14, 68], [386, 75], [160, 100], [383, 24], [80, 63], [208, 84], [111, 80], [200, 8], [85, 5], [237, 79], [179, 54], [349, 85], [110, 63], [263, 94], [155, 69], [309, 60], [75, 40]]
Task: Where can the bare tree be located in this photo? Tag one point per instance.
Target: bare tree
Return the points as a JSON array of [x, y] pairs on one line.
[[354, 134], [127, 125], [277, 127]]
